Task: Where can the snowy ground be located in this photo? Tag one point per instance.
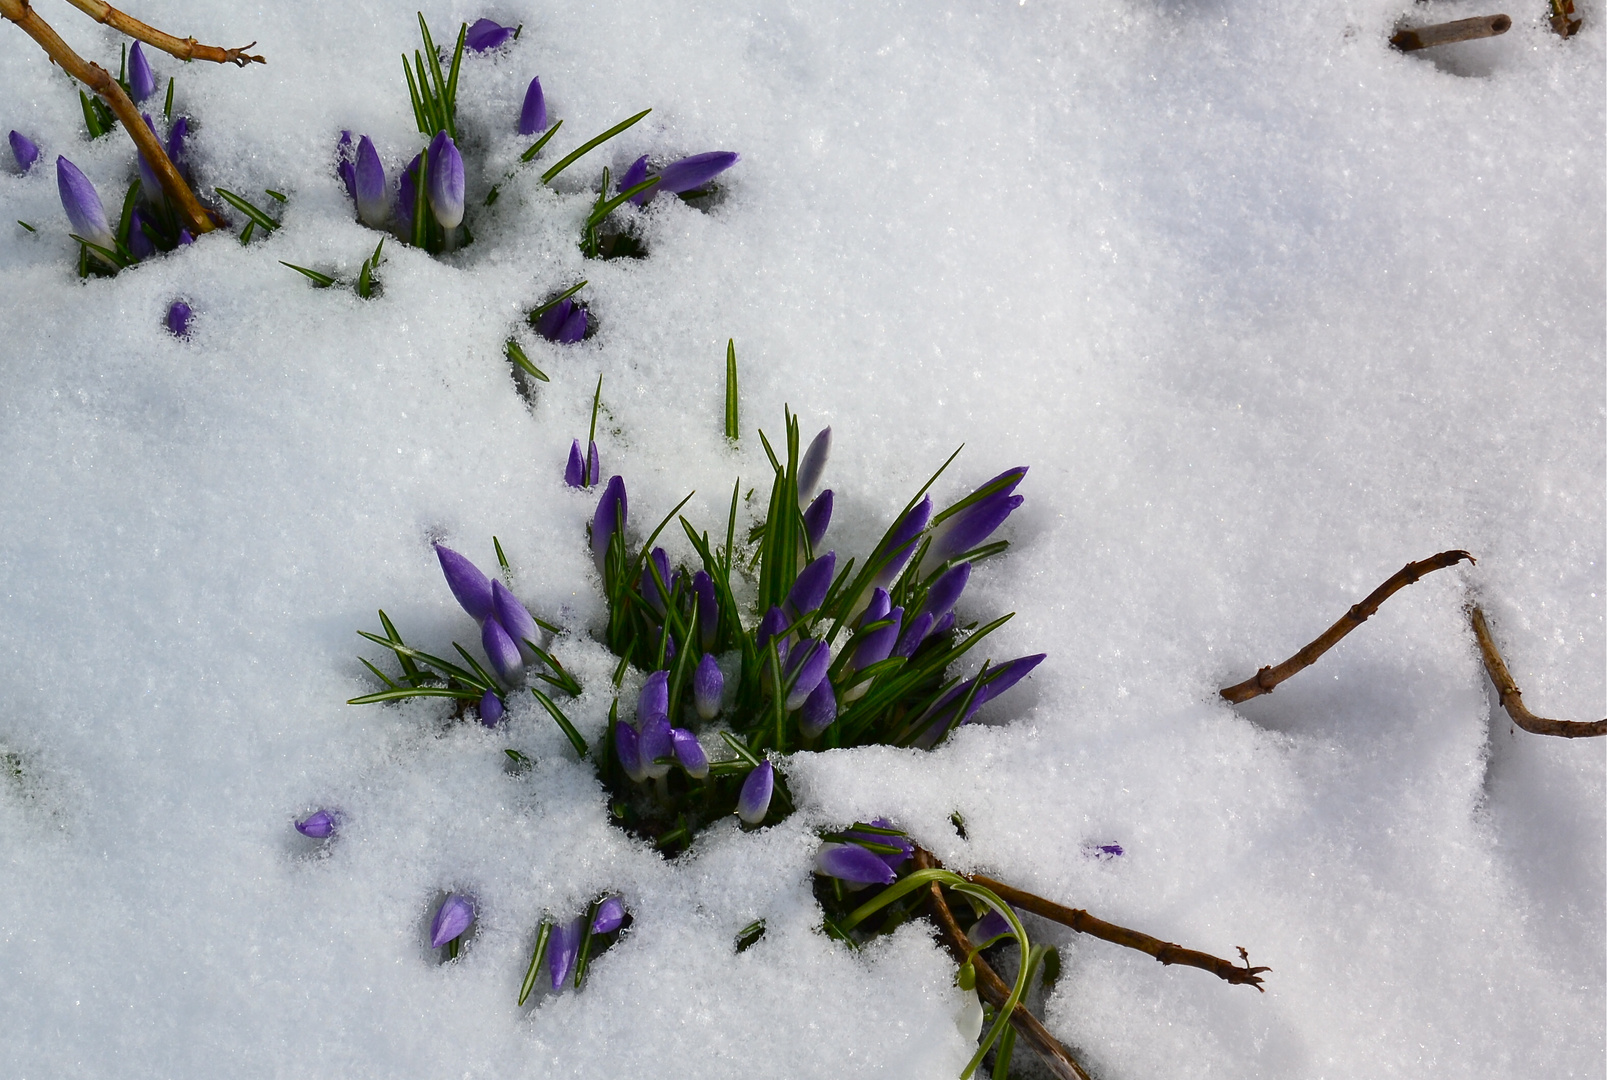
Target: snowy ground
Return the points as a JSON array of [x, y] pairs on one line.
[[1269, 309]]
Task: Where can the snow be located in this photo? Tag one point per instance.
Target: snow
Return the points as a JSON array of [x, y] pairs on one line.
[[1269, 309]]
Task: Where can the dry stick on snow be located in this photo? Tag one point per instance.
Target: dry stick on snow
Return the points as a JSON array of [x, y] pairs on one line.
[[1164, 951], [993, 988], [1512, 699], [183, 48], [1264, 680], [1426, 37]]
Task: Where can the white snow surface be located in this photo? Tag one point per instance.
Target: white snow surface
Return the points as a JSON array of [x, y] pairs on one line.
[[1269, 309]]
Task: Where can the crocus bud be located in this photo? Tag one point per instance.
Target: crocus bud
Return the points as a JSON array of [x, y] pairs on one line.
[[693, 172], [754, 801], [24, 150], [809, 661], [575, 471], [445, 182], [501, 651], [185, 238], [319, 826], [634, 174], [626, 746], [811, 585], [653, 703], [905, 846], [611, 514], [775, 620], [563, 947], [406, 191], [471, 587], [817, 518], [491, 709], [913, 635], [708, 608], [988, 927], [141, 82], [656, 741], [689, 752], [942, 711], [945, 591], [370, 179], [655, 594], [971, 527], [853, 864], [178, 319], [594, 465], [875, 611], [942, 626], [83, 205], [483, 35], [175, 141], [819, 710], [900, 541], [610, 913], [139, 245], [708, 683], [873, 646], [814, 460], [533, 117], [514, 616], [453, 917], [574, 325]]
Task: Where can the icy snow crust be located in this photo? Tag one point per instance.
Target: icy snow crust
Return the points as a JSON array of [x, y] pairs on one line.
[[1269, 309]]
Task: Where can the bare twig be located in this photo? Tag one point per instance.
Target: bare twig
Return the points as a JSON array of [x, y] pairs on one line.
[[1512, 699], [1264, 680], [1413, 38], [97, 79], [183, 48], [993, 988]]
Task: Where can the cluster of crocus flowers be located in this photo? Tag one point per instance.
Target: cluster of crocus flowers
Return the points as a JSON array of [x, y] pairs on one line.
[[151, 225], [582, 470], [508, 632], [366, 182], [650, 748], [566, 946]]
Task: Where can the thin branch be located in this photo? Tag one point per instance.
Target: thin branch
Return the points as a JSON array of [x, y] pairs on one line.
[[1164, 951], [97, 79], [1264, 680], [993, 988], [183, 48], [1512, 699]]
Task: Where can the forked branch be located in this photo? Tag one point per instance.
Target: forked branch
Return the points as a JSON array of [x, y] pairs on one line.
[[1264, 680], [1512, 699], [183, 48]]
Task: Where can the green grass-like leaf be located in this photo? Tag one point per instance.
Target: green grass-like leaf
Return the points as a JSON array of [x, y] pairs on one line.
[[591, 144], [322, 281]]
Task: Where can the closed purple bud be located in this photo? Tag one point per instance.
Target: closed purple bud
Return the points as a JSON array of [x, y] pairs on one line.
[[551, 321], [610, 913], [809, 660], [575, 471], [445, 182], [533, 117], [626, 746], [708, 683], [370, 175], [876, 645], [913, 635], [24, 150], [775, 620], [653, 703], [514, 616], [942, 626], [875, 611], [141, 82], [852, 863], [484, 34], [406, 191], [708, 608], [501, 651], [178, 319], [652, 591], [471, 587], [594, 467], [998, 681], [634, 174], [611, 514], [175, 140], [971, 527], [905, 846], [656, 741], [817, 518], [819, 710], [562, 949], [574, 325], [900, 540], [139, 245], [83, 205], [988, 927], [754, 801], [319, 826], [689, 752], [185, 237], [945, 591], [813, 464], [811, 585], [453, 917], [693, 172], [491, 709]]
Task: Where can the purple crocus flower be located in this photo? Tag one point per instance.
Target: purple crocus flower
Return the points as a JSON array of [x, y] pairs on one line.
[[175, 142], [998, 680], [610, 914], [689, 752], [814, 459], [853, 864], [817, 518], [900, 541], [563, 948], [178, 319], [807, 669], [185, 238], [406, 191], [914, 633], [24, 150], [875, 611], [634, 174], [819, 710], [940, 598], [141, 82], [139, 245], [451, 919], [626, 746], [83, 205], [774, 622], [691, 173], [445, 182], [491, 709], [514, 616], [754, 801], [942, 626], [874, 646], [653, 703], [811, 585], [369, 175], [708, 608], [905, 846], [484, 35], [990, 926], [971, 527], [565, 322], [319, 825], [651, 590], [656, 741], [611, 514], [708, 683], [501, 651], [575, 471], [343, 164], [471, 587], [533, 117]]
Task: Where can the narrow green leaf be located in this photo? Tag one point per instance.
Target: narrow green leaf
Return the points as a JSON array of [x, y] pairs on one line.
[[412, 92], [276, 195], [443, 106], [555, 301], [413, 692], [452, 77], [741, 749], [484, 675], [517, 355], [583, 957], [581, 151], [420, 212], [390, 683], [110, 256], [535, 147], [126, 218], [409, 668], [502, 559], [323, 281], [603, 209], [167, 107], [27, 226], [563, 722], [731, 389], [529, 984], [596, 403], [248, 209]]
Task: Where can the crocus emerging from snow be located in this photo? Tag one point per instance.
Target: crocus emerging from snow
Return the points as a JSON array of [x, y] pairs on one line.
[[691, 173], [655, 593], [655, 745], [483, 34], [997, 681], [653, 703], [610, 913], [468, 584], [582, 471], [501, 651], [24, 150], [446, 181], [491, 709], [971, 527], [453, 917], [406, 191], [853, 864], [625, 745], [634, 174], [563, 947], [533, 117], [369, 180], [150, 186], [690, 753], [139, 244], [905, 847], [83, 205], [513, 616], [611, 514], [708, 608], [806, 667], [319, 826], [811, 585], [708, 683], [914, 633], [754, 801], [141, 82], [901, 541], [817, 518], [819, 710], [565, 322], [813, 464], [178, 319], [945, 591]]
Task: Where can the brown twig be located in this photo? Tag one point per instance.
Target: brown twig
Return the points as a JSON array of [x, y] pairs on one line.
[[993, 988], [183, 48], [97, 79], [1413, 38], [1164, 951], [1264, 680], [1512, 699]]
